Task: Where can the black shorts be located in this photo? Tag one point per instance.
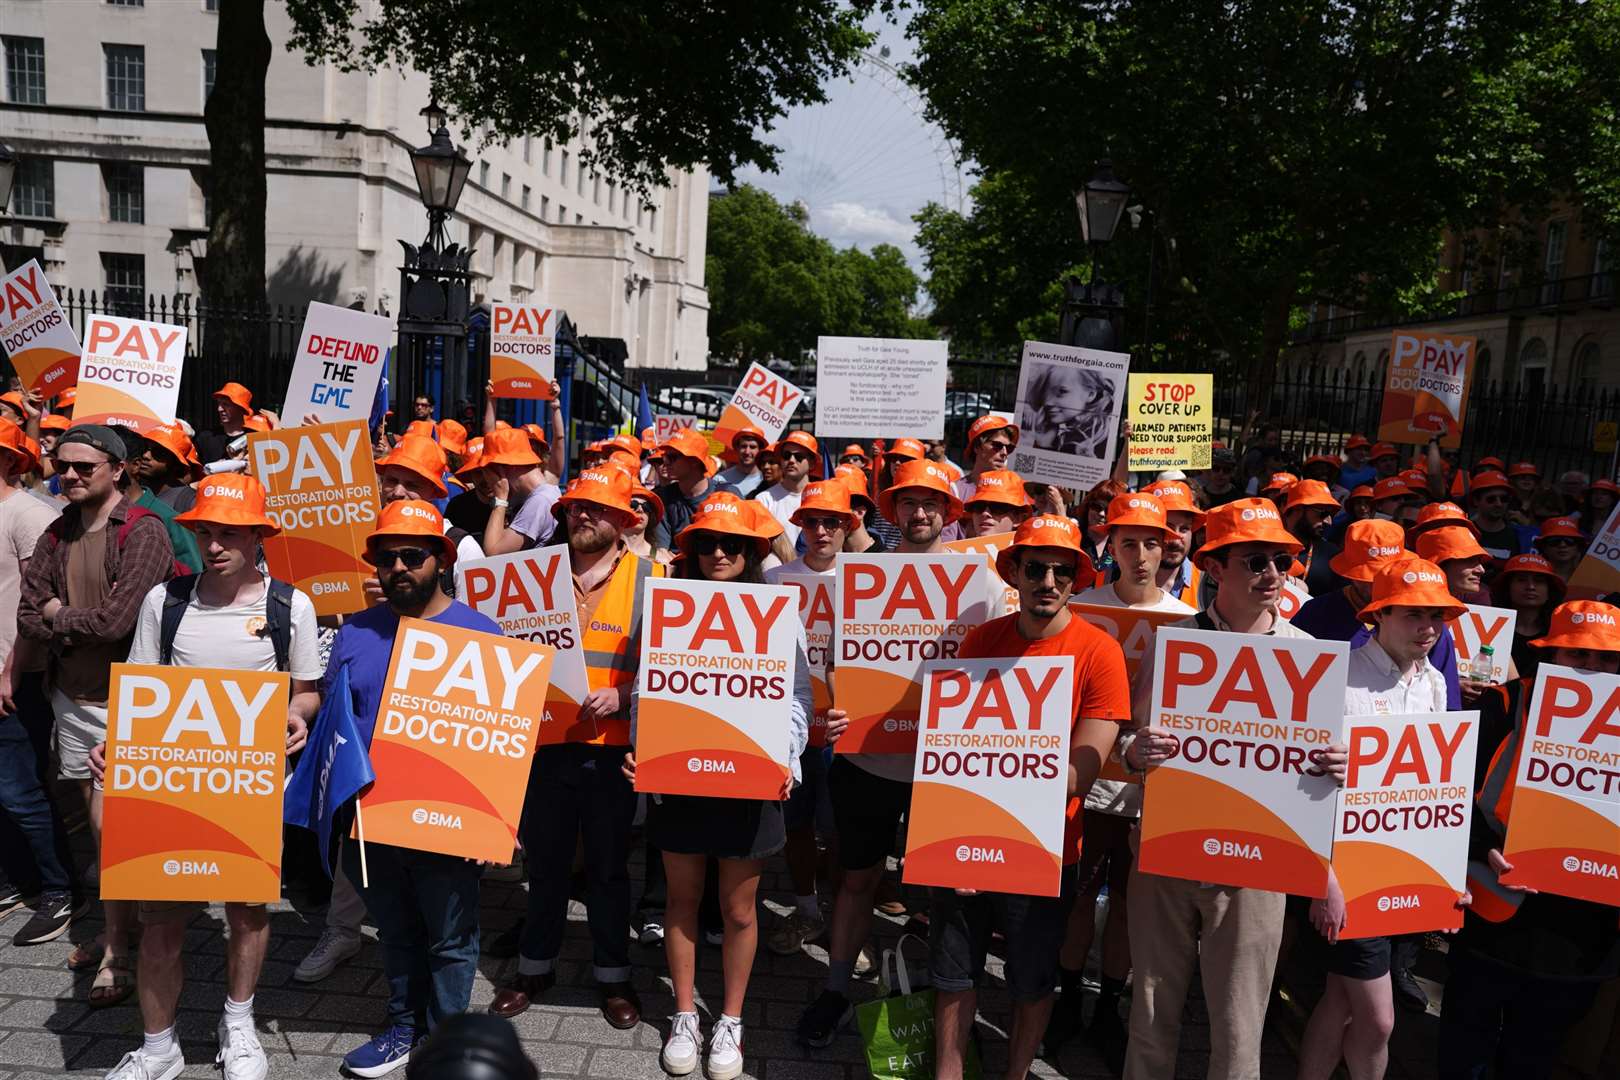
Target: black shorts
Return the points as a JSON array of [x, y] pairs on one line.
[[724, 828], [1353, 958], [959, 937], [867, 811], [1105, 854]]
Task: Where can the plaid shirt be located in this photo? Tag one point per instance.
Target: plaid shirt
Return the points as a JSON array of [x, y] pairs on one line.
[[146, 559]]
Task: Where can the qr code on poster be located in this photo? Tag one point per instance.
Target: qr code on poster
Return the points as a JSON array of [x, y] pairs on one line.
[[1023, 463]]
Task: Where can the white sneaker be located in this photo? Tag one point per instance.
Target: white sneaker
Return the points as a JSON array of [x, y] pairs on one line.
[[725, 1050], [241, 1057], [139, 1065], [680, 1054], [651, 934], [716, 938], [866, 962], [332, 949]]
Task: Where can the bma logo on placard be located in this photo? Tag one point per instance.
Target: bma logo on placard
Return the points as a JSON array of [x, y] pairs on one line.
[[893, 723], [423, 816], [1398, 903], [709, 765], [190, 868], [970, 853], [1591, 868], [1233, 850]]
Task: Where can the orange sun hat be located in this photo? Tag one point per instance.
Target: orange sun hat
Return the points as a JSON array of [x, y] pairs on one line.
[[419, 455], [854, 478], [1411, 582], [989, 422], [1582, 624], [1001, 486], [1139, 510], [751, 431], [1245, 521], [1369, 545], [907, 448], [689, 442], [827, 497], [1452, 542], [1045, 531], [410, 517], [921, 474], [173, 438], [1560, 527], [230, 499], [1311, 493], [723, 512], [16, 440], [609, 487], [1441, 515], [236, 394], [453, 437], [1177, 498]]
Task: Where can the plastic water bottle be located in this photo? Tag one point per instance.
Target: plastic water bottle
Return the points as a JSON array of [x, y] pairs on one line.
[[1483, 669]]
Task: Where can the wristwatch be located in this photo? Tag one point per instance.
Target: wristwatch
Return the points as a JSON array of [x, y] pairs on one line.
[[502, 503]]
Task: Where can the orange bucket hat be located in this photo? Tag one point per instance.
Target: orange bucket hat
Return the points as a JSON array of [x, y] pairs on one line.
[[453, 437], [411, 517], [67, 397], [802, 439], [1002, 486], [535, 433], [1330, 460], [1245, 521], [1441, 515], [906, 448], [16, 440], [853, 450], [1411, 583], [752, 432], [1360, 491], [827, 497], [1416, 479], [421, 456], [854, 478], [1484, 481], [689, 442], [1560, 526], [173, 439], [472, 460], [1522, 468], [1140, 510], [1530, 563], [608, 487], [1582, 624], [1311, 493], [723, 512], [230, 499], [255, 423], [507, 446], [1045, 531], [1177, 498], [427, 429], [762, 520], [657, 504], [921, 474], [1444, 545], [1391, 487], [1357, 442], [54, 422], [236, 394], [987, 423], [628, 443], [1280, 482], [1369, 546], [1489, 463], [1382, 450]]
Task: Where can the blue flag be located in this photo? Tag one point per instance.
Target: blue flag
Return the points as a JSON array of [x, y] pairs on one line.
[[379, 403], [644, 413], [333, 769]]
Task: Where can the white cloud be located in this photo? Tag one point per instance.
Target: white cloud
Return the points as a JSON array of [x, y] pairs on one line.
[[847, 223]]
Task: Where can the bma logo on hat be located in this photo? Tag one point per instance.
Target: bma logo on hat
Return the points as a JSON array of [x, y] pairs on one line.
[[937, 473], [1578, 617], [594, 477], [416, 511], [1376, 552], [1259, 513], [1412, 577], [222, 491], [1136, 504], [720, 506], [1066, 524]]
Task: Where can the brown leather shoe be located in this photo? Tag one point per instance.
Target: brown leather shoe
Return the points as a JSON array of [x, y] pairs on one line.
[[620, 1005], [524, 990]]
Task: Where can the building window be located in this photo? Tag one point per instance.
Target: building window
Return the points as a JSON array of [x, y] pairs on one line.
[[1588, 366], [652, 220], [562, 169], [525, 202], [528, 148], [579, 181], [126, 77], [211, 5], [579, 219], [126, 192], [562, 214], [613, 197], [545, 207], [25, 70], [596, 190], [1602, 280], [506, 186], [208, 73], [127, 3], [123, 281], [34, 192], [483, 175], [545, 157], [1552, 268]]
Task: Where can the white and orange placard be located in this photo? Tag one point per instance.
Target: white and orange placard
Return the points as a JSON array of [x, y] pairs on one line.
[[816, 614], [523, 349], [1243, 801], [991, 778], [38, 339], [1426, 388], [455, 735], [531, 594], [1291, 597], [1482, 626], [716, 688], [1003, 598], [129, 373], [667, 424], [1564, 830], [1400, 847], [763, 399], [1133, 628], [1598, 574], [192, 802], [341, 356], [894, 613], [320, 486]]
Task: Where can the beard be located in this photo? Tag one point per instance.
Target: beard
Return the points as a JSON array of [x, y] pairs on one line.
[[590, 539], [405, 594]]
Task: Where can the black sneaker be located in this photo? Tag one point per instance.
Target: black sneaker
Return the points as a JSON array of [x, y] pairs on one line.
[[1065, 1022], [56, 911], [1108, 1035], [821, 1021], [11, 898]]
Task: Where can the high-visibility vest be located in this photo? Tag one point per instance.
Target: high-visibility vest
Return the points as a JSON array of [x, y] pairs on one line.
[[1189, 595], [614, 628], [1493, 802]]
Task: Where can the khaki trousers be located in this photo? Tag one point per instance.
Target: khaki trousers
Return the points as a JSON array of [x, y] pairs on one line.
[[1233, 934]]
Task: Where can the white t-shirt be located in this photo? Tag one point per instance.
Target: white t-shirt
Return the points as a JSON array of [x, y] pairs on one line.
[[24, 515], [1115, 796], [782, 504], [1105, 596], [232, 636], [773, 576]]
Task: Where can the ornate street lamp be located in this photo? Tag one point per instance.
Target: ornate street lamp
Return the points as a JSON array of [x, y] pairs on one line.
[[1093, 312], [1101, 203], [441, 172]]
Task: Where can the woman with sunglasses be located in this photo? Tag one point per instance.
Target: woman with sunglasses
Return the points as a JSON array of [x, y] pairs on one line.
[[720, 544], [1530, 586], [648, 509], [1562, 543]]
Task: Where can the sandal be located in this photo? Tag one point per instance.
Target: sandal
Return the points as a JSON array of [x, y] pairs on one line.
[[113, 984], [86, 955]]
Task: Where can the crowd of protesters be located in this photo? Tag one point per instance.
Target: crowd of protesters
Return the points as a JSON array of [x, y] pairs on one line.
[[144, 547]]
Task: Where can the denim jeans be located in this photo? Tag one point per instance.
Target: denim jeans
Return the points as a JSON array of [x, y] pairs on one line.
[[34, 852], [1494, 1014], [425, 906], [576, 787]]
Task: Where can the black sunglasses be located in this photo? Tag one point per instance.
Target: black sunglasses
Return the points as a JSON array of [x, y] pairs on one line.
[[641, 506], [795, 455], [412, 557], [1256, 564], [819, 521], [733, 546], [1035, 571], [83, 468]]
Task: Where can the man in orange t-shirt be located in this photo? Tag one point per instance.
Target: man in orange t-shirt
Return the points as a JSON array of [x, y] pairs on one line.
[[1043, 562]]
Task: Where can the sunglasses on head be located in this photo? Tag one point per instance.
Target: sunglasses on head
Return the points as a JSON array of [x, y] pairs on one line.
[[1257, 564], [83, 468], [412, 557], [1035, 571], [709, 543]]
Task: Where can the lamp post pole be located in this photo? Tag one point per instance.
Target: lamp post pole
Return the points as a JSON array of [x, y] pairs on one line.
[[434, 281], [1093, 312]]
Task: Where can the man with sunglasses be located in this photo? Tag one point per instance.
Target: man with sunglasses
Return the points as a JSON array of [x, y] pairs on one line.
[[81, 594], [1491, 498], [997, 503], [1231, 934], [799, 452], [743, 478], [686, 461], [577, 786], [425, 904]]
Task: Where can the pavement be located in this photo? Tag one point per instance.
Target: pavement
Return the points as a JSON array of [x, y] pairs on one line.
[[46, 1029]]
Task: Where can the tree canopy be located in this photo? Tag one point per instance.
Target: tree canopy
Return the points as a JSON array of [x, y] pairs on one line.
[[774, 286], [1286, 153]]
